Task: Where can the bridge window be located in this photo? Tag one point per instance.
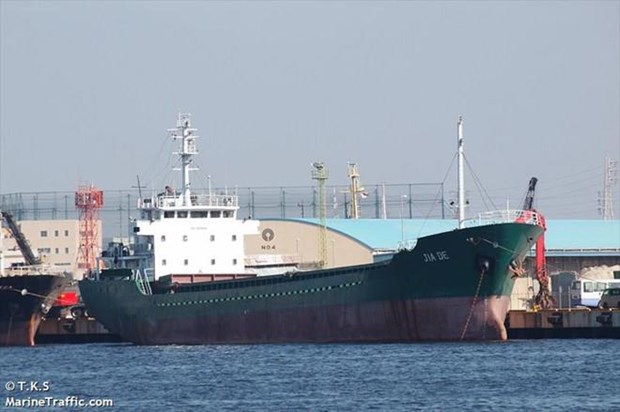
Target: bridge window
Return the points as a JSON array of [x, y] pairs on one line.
[[200, 214], [182, 214], [168, 214], [215, 214], [228, 213], [588, 287]]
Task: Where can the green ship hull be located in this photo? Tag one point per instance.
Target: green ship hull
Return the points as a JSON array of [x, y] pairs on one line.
[[452, 286]]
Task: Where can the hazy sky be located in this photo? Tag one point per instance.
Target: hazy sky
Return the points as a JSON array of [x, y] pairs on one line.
[[88, 89]]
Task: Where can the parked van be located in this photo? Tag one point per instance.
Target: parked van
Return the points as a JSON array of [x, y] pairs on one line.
[[610, 299]]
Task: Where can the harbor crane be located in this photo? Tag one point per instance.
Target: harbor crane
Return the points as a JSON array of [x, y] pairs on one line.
[[543, 299], [20, 239]]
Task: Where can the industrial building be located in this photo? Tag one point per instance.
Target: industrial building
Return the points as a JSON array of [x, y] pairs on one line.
[[54, 242]]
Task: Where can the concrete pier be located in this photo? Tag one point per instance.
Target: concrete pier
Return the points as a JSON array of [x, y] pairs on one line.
[[564, 324], [67, 330]]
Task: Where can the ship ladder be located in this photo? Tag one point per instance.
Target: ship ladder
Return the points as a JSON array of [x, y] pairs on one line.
[[142, 282]]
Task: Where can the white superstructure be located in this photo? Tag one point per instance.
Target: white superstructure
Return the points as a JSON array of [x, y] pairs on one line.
[[185, 232]]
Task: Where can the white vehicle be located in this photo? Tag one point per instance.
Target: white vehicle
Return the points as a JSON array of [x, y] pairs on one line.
[[586, 292], [610, 299]]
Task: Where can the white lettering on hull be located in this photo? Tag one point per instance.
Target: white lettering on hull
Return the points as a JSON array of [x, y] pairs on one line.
[[437, 256]]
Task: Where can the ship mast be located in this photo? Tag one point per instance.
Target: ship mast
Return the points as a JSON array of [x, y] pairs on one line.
[[461, 177], [185, 133]]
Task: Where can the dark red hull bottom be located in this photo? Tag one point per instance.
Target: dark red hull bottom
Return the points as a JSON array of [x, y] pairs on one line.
[[404, 321], [19, 332], [23, 300]]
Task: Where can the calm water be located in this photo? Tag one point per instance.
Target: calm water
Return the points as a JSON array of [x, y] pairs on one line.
[[559, 375]]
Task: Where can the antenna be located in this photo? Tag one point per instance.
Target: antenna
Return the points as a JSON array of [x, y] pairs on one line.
[[139, 187], [188, 149]]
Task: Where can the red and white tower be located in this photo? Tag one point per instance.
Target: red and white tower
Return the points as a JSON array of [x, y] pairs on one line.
[[88, 200]]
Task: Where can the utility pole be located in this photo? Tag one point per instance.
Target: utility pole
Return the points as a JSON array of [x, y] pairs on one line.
[[606, 207]]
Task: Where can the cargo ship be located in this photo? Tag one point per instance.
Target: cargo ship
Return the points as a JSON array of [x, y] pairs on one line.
[[181, 281], [26, 292]]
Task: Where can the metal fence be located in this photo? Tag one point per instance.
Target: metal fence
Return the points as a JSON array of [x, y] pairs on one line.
[[408, 200]]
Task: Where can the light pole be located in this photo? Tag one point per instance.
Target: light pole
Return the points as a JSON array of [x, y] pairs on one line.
[[402, 222], [301, 206]]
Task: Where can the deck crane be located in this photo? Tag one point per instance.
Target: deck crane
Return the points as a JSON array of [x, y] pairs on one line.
[[20, 239], [543, 299]]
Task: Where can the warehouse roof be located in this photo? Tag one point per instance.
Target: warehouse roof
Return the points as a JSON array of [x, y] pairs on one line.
[[563, 237]]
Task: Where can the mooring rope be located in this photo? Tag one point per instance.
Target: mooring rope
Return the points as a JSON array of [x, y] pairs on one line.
[[23, 292], [497, 245]]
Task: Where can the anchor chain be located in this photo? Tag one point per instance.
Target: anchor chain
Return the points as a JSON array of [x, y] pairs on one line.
[[471, 309]]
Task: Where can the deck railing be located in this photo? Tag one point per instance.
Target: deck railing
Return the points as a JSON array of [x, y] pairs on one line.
[[34, 270], [505, 216], [197, 200]]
